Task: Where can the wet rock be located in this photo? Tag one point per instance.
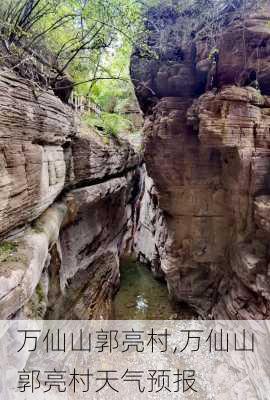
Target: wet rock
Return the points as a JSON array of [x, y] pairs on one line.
[[150, 229]]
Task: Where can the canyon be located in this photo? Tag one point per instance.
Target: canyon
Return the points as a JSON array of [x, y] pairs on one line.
[[193, 204]]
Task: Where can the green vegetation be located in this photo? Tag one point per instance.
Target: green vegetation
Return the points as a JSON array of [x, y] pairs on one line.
[[112, 95], [37, 227], [90, 42], [109, 123], [87, 44], [35, 307], [8, 251], [40, 293]]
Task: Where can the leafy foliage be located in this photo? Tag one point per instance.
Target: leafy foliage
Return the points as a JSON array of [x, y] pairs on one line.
[[90, 41], [77, 36], [7, 251], [109, 123]]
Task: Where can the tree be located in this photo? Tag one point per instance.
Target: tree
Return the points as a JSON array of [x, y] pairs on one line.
[[71, 36]]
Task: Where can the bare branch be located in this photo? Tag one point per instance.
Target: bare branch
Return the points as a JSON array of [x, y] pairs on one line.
[[76, 51], [117, 78], [60, 22]]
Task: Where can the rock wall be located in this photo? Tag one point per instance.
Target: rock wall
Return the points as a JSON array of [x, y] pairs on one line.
[[33, 129], [66, 204], [150, 233], [208, 154]]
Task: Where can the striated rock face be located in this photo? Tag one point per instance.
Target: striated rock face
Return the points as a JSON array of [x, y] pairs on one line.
[[93, 161], [247, 38], [92, 239], [208, 157], [71, 196], [150, 234], [33, 128]]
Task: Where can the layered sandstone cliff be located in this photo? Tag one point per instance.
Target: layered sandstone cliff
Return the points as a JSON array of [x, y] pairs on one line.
[[66, 205], [198, 214], [208, 154]]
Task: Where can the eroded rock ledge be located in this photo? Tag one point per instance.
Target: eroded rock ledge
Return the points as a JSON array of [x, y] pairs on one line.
[[66, 206], [208, 154]]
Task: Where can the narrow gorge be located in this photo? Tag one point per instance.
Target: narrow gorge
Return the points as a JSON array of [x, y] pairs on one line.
[[192, 201]]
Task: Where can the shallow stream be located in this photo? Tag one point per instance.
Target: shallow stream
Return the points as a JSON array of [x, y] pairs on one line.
[[142, 297]]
